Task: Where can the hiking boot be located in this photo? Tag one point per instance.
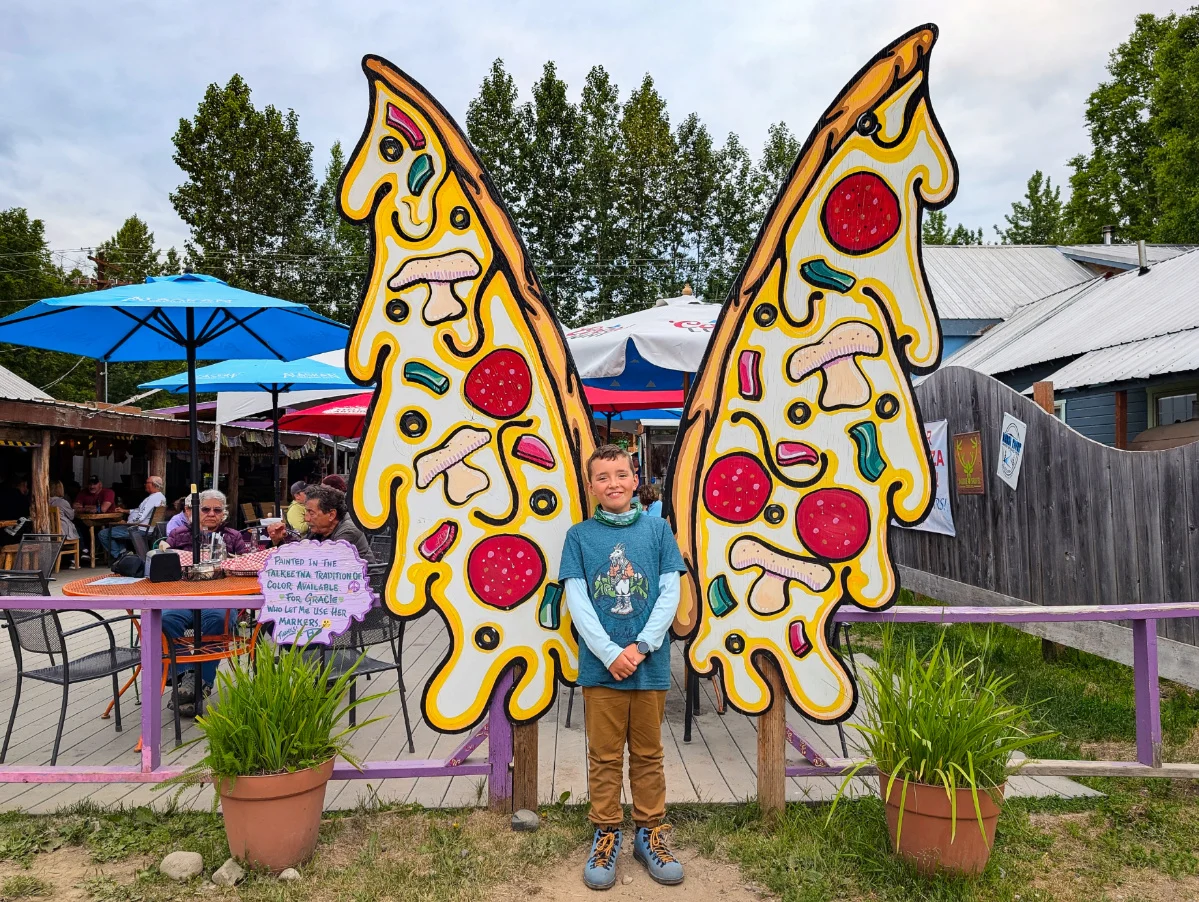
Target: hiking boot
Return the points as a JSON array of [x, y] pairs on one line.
[[188, 709], [649, 847], [186, 692], [600, 870]]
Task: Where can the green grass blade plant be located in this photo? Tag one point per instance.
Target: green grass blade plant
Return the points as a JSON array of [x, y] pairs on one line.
[[279, 713], [940, 719]]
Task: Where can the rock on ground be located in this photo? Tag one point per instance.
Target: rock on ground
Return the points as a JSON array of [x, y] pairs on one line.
[[182, 865], [525, 821], [229, 874], [289, 874]]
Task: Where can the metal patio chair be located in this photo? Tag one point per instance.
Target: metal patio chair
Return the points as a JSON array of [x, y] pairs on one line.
[[41, 632], [34, 563]]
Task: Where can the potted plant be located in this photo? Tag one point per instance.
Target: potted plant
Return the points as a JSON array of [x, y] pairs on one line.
[[271, 737], [941, 733]]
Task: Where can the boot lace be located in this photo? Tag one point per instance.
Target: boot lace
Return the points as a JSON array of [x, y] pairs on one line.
[[657, 843], [605, 847]]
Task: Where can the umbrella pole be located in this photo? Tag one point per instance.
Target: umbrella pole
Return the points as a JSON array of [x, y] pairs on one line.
[[608, 438], [194, 445], [275, 429]]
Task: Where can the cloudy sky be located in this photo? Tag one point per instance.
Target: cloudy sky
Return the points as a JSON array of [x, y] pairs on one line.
[[92, 92]]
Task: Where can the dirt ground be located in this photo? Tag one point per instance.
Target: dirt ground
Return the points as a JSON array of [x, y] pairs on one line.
[[68, 869]]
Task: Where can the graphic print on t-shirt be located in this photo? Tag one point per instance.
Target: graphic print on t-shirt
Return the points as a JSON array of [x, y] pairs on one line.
[[621, 582]]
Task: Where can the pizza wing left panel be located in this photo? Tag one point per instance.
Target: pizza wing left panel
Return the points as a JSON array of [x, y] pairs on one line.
[[473, 443]]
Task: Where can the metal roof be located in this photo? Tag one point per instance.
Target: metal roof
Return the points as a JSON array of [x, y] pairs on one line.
[[989, 281], [14, 387], [1122, 256], [1177, 353], [1105, 314]]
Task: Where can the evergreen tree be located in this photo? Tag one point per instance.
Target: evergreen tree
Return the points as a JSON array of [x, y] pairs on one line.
[[935, 230], [603, 236], [129, 255], [498, 127], [736, 216], [693, 205], [778, 156], [1038, 218], [339, 273], [249, 192]]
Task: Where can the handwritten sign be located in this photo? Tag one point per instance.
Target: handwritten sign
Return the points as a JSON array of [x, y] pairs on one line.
[[313, 590]]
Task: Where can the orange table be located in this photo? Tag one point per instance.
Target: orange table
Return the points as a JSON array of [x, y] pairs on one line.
[[230, 585]]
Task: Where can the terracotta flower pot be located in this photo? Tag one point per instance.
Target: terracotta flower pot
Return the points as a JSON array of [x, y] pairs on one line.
[[927, 827], [273, 821]]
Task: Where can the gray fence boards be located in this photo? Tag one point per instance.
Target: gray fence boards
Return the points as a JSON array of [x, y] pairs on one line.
[[1087, 524]]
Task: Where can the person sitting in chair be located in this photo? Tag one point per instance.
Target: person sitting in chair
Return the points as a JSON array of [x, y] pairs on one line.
[[328, 520], [115, 537], [295, 511]]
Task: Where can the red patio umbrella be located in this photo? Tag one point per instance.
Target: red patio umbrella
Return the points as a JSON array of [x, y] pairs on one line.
[[343, 418]]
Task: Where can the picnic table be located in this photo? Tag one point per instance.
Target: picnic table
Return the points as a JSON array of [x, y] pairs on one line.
[[90, 519]]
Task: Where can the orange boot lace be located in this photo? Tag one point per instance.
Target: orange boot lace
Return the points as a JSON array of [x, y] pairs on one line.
[[605, 848], [657, 843]]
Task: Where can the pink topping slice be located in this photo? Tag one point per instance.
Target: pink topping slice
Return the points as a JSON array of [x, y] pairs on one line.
[[533, 450], [790, 454], [401, 121], [748, 379]]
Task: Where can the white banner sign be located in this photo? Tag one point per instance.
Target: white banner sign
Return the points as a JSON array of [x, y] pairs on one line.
[[1011, 449], [940, 518]]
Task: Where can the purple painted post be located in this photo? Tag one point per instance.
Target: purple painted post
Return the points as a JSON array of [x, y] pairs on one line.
[[151, 689], [499, 749], [1149, 711]]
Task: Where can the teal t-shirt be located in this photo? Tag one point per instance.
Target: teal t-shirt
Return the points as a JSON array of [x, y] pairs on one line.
[[621, 566]]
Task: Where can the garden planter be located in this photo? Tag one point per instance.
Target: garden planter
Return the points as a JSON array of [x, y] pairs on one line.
[[927, 827], [273, 821]]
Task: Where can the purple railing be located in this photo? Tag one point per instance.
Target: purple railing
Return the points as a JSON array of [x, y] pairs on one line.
[[497, 730]]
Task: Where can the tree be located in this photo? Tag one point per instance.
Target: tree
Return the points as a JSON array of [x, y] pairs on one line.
[[249, 192], [1038, 218], [935, 230], [603, 238], [340, 271], [129, 255], [1115, 184], [646, 156], [778, 156], [693, 206], [498, 128], [737, 216], [1174, 121], [553, 166]]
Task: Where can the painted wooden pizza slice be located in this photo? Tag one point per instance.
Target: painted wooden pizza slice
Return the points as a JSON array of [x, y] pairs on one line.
[[801, 440], [473, 441]]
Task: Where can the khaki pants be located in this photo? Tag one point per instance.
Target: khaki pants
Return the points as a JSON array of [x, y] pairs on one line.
[[614, 718]]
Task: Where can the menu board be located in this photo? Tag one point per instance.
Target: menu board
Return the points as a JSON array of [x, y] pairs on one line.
[[313, 590]]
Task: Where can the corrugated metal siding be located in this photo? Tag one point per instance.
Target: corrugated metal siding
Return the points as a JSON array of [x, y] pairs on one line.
[[1124, 255], [1103, 314], [1093, 414], [14, 387], [1177, 353], [989, 281]]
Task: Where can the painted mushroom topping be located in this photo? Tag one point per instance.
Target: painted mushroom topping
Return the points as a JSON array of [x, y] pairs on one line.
[[768, 594], [462, 481], [834, 355], [440, 274]]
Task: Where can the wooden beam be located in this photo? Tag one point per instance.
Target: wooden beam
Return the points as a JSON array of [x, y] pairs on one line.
[[234, 458], [772, 742], [1122, 419], [524, 766], [158, 460], [88, 419], [39, 486], [1042, 395]]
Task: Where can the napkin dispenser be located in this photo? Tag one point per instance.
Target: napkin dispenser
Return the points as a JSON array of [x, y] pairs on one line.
[[163, 567]]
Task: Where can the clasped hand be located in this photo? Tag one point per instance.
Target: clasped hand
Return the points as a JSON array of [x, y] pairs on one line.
[[626, 665]]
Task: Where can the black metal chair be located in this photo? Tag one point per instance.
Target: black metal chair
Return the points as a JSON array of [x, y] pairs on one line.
[[376, 628], [41, 632], [33, 564], [382, 546]]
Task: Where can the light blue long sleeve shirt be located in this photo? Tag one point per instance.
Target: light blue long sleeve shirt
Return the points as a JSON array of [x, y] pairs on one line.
[[587, 622]]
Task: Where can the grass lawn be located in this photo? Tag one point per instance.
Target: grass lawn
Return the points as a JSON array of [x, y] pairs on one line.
[[1137, 842]]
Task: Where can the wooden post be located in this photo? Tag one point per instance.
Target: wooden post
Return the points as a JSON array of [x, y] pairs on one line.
[[772, 740], [39, 486], [283, 460], [234, 510], [499, 749], [524, 766], [158, 461], [1122, 419], [1042, 394]]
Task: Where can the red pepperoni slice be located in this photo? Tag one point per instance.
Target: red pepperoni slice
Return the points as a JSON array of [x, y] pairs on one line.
[[736, 488], [833, 523], [500, 385], [504, 571], [860, 214]]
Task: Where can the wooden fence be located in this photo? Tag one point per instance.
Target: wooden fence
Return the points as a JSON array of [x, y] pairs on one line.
[[1087, 524]]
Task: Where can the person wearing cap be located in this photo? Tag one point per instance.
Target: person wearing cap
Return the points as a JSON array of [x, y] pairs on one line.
[[295, 510], [93, 499], [114, 537], [328, 521]]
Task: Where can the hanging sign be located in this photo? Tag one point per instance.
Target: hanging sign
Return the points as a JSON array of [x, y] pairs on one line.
[[968, 463], [1011, 449], [940, 518], [313, 590]]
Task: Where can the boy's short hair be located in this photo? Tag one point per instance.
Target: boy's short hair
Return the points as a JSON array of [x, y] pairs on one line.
[[648, 493], [608, 452]]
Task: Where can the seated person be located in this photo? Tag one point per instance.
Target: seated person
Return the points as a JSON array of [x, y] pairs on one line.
[[213, 513], [651, 500], [115, 537], [295, 510], [183, 519], [213, 622], [66, 513], [328, 521], [335, 481], [95, 498]]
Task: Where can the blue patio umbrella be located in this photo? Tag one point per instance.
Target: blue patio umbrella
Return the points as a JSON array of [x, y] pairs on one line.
[[176, 317], [272, 376]]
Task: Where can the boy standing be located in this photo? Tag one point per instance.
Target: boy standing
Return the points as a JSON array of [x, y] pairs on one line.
[[621, 572]]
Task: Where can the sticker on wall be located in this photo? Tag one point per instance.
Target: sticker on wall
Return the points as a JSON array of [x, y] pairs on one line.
[[473, 442], [940, 517], [1011, 449], [968, 473], [801, 441]]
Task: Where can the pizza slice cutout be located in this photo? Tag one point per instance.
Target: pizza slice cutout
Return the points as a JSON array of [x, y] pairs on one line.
[[801, 440], [473, 442]]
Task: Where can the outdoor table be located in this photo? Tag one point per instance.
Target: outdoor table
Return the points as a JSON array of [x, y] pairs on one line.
[[91, 519]]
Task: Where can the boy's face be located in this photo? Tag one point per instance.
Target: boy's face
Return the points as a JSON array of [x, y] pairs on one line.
[[612, 483]]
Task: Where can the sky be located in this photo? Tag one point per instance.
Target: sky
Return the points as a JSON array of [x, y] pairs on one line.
[[90, 93]]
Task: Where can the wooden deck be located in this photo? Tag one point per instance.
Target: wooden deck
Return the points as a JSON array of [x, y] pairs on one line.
[[718, 765]]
